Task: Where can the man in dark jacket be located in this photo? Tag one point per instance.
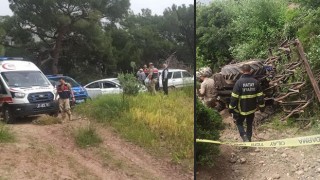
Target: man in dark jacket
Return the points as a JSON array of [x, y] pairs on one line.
[[246, 97], [65, 92], [165, 79]]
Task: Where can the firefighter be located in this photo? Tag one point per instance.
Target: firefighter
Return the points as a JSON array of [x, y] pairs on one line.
[[246, 98], [65, 91], [207, 92]]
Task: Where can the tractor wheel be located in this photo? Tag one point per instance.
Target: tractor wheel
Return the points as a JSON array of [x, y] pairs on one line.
[[233, 71]]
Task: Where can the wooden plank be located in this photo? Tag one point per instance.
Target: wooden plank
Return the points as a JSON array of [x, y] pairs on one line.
[[307, 66]]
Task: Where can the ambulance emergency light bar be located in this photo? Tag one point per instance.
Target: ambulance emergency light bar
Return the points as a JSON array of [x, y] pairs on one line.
[[10, 58]]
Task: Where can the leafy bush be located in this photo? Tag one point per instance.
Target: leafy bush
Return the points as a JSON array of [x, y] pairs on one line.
[[129, 83], [208, 124], [87, 136], [5, 134]]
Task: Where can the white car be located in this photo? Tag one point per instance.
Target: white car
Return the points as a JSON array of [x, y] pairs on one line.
[[105, 86], [177, 78]]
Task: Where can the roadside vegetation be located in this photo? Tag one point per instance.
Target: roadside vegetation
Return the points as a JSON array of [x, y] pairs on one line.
[[47, 120], [87, 136], [5, 134], [161, 124], [208, 125], [235, 31]]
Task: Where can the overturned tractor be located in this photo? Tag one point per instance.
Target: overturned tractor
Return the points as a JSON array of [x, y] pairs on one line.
[[282, 77]]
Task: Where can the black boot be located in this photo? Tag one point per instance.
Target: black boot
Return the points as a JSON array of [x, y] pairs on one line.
[[245, 138]]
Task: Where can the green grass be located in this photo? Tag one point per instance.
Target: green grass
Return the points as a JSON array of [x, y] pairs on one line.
[[46, 120], [276, 124], [162, 124], [86, 137], [5, 134]]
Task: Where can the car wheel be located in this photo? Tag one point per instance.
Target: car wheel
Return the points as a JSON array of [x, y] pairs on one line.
[[8, 116]]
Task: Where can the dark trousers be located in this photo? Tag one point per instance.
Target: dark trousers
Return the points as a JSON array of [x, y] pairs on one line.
[[249, 121], [165, 86]]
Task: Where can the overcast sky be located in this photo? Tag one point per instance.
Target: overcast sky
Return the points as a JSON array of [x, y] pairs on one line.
[[156, 6]]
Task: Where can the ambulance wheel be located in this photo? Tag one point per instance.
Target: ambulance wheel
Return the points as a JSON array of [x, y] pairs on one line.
[[8, 116]]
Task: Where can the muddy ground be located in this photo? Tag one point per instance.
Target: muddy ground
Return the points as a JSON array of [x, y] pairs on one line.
[[50, 152], [237, 163]]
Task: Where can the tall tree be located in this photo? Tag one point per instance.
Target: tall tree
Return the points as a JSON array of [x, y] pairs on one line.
[[54, 21], [178, 26]]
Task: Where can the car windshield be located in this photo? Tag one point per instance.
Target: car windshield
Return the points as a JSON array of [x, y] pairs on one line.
[[55, 81], [25, 78]]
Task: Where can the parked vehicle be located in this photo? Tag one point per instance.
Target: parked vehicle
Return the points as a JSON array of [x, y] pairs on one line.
[[177, 78], [106, 86], [24, 90], [79, 92]]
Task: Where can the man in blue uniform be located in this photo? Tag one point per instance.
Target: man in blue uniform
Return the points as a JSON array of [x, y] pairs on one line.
[[246, 97]]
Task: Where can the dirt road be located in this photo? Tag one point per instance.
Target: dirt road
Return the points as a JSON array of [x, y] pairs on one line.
[[49, 152], [237, 163]]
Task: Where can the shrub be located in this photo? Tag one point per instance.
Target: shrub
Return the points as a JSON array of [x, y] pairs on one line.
[[46, 120], [87, 136], [129, 83], [208, 124], [5, 134]]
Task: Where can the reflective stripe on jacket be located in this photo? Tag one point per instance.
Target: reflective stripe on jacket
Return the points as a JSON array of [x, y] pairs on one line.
[[246, 95]]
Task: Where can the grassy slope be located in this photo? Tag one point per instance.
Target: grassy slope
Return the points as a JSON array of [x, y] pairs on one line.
[[160, 124], [5, 134]]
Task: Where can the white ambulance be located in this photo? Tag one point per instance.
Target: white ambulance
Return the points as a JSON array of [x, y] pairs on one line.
[[24, 90]]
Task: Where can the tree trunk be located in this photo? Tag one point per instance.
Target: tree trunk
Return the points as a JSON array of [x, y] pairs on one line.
[[57, 49]]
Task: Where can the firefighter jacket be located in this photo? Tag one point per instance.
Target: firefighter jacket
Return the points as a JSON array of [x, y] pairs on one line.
[[246, 96]]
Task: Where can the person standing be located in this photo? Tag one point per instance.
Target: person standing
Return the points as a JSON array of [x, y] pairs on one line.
[[65, 92], [207, 92], [165, 78], [246, 97], [145, 70], [153, 78], [141, 76]]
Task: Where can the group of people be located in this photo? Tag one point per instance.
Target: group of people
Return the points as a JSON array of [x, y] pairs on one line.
[[150, 77], [147, 76], [246, 98]]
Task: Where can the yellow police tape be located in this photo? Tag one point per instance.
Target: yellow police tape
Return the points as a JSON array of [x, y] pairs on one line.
[[298, 141]]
